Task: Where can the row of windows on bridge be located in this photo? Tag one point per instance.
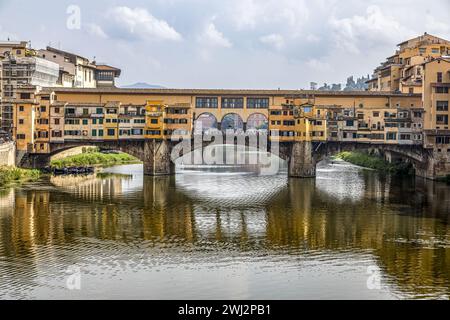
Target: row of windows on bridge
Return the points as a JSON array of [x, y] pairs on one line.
[[231, 103]]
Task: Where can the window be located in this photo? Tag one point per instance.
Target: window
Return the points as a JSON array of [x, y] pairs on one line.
[[257, 103], [153, 132], [417, 114], [435, 50], [42, 121], [441, 119], [108, 120], [85, 122], [100, 132], [376, 114], [43, 109], [21, 108], [57, 110], [21, 136], [72, 121], [99, 111], [206, 102], [94, 121], [94, 132], [439, 77], [154, 121], [56, 134], [411, 90], [137, 132], [422, 50], [442, 105], [441, 90], [21, 121], [442, 140], [111, 132], [391, 136], [25, 96], [233, 103], [100, 121], [85, 111], [349, 123]]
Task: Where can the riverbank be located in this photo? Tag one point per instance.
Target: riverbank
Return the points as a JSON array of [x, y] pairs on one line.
[[10, 175], [96, 159], [374, 162]]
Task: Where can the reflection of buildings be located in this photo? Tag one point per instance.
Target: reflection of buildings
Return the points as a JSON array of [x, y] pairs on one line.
[[299, 217], [90, 187]]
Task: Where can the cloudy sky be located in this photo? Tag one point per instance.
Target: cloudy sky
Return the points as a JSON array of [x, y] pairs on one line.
[[228, 43]]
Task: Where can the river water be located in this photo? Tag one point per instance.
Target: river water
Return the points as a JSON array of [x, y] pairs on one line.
[[226, 234]]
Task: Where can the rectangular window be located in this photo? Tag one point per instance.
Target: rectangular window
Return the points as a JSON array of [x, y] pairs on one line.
[[442, 119], [100, 121], [21, 108], [442, 105], [376, 114], [99, 111], [154, 121], [206, 102], [137, 132], [85, 122], [153, 132], [391, 136], [349, 123], [21, 136], [25, 96], [85, 111], [94, 132], [258, 103], [57, 110], [422, 50], [111, 132], [108, 120], [233, 103], [100, 133], [439, 77], [435, 50], [442, 140], [94, 121], [43, 109], [441, 90], [21, 121]]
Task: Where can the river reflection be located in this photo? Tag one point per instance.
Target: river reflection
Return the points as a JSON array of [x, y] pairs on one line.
[[226, 235]]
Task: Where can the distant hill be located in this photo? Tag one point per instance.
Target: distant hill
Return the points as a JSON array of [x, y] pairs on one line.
[[142, 85]]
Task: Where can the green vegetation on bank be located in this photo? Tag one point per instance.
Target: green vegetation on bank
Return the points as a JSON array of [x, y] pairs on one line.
[[93, 157], [374, 162], [9, 175]]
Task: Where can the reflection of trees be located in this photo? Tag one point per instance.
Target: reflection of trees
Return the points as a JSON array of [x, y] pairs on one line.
[[396, 227]]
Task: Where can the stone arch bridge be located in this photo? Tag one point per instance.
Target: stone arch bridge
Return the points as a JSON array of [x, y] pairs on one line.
[[302, 157]]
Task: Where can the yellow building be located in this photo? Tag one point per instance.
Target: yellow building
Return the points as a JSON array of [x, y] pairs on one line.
[[403, 72], [436, 97]]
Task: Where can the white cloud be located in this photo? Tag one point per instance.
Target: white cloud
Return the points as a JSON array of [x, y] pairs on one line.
[[312, 38], [4, 35], [213, 37], [274, 40], [318, 65], [138, 22], [249, 14], [435, 26], [96, 30], [375, 28]]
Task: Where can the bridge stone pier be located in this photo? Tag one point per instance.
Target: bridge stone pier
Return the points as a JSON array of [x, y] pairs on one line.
[[301, 156]]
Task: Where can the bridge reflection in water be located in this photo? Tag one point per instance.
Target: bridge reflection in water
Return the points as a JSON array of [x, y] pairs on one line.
[[226, 235]]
